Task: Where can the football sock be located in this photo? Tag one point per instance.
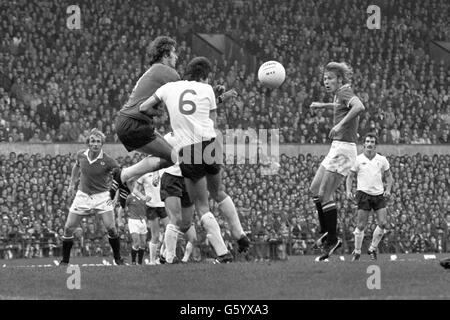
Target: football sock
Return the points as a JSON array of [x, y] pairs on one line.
[[115, 245], [170, 240], [187, 253], [322, 221], [226, 206], [212, 228], [359, 236], [153, 249], [376, 238], [66, 247], [330, 213], [133, 254], [191, 235], [140, 255]]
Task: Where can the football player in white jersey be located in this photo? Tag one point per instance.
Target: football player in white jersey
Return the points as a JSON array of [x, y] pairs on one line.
[[191, 104], [180, 209], [156, 212], [370, 168]]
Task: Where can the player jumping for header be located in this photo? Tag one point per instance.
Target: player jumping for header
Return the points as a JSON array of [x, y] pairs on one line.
[[191, 105], [342, 155]]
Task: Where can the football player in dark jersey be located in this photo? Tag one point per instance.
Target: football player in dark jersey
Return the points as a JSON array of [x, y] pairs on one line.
[[342, 155]]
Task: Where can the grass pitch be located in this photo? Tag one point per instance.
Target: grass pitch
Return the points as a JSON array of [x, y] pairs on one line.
[[298, 278]]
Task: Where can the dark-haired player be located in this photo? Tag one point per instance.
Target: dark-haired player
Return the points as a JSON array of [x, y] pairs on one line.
[[93, 167], [370, 168], [191, 105], [134, 129], [342, 155]]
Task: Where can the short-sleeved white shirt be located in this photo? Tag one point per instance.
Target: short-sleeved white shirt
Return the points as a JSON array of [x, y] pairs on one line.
[[150, 190], [370, 173], [189, 104]]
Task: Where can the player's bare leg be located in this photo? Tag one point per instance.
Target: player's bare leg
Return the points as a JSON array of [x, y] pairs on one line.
[[113, 236], [377, 233], [135, 246], [191, 236], [329, 184], [153, 245], [161, 155], [314, 189], [72, 222], [173, 209], [228, 210], [359, 233], [199, 195]]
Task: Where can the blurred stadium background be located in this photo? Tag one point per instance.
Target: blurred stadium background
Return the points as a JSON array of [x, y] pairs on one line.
[[56, 84]]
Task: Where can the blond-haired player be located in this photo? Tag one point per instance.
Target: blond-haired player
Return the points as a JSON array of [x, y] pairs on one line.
[[342, 155]]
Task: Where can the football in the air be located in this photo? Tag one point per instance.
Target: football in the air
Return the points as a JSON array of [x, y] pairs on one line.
[[271, 74]]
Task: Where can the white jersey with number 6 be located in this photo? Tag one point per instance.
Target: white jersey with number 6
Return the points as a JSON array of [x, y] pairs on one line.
[[189, 104]]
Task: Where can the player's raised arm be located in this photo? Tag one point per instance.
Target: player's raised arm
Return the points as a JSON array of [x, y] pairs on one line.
[[356, 107], [150, 106], [323, 104]]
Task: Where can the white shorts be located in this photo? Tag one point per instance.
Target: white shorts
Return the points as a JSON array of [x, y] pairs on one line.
[[137, 226], [85, 204], [341, 157]]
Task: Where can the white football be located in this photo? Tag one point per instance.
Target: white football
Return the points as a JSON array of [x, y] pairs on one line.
[[271, 74]]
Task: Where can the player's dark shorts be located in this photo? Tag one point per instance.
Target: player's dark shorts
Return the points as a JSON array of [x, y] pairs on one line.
[[368, 202], [173, 186], [194, 165], [134, 133], [158, 212]]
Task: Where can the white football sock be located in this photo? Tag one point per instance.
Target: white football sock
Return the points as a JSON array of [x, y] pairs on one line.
[[229, 212], [191, 235], [153, 249], [212, 228], [170, 240], [359, 237], [376, 237], [187, 253]]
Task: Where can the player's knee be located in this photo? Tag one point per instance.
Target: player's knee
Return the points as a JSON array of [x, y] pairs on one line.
[[382, 224], [218, 195], [361, 226], [112, 232]]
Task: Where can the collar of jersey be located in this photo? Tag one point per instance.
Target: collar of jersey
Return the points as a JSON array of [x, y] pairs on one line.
[[344, 86], [100, 156]]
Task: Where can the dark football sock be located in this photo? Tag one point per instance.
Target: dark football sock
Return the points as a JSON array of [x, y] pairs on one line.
[[115, 245], [66, 247], [133, 255], [140, 255], [322, 220], [330, 213]]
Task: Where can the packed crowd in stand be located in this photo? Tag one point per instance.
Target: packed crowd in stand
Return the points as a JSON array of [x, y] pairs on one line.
[[34, 204], [56, 83]]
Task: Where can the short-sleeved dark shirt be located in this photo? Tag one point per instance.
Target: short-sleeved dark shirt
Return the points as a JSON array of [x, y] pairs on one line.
[[95, 174], [156, 76]]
